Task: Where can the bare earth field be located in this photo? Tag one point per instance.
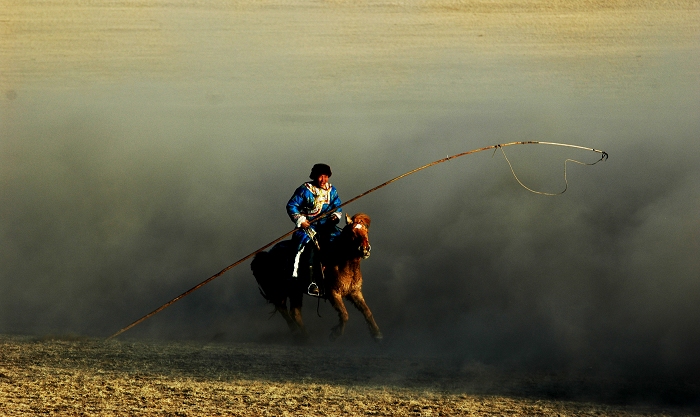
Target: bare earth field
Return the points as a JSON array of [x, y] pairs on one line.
[[59, 376]]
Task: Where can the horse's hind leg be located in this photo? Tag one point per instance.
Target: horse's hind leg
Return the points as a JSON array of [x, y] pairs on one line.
[[337, 303], [359, 301], [295, 313], [282, 309]]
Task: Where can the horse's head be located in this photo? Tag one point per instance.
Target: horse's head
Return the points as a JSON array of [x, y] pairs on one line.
[[358, 228]]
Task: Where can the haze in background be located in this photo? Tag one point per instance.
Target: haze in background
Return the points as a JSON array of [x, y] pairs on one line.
[[145, 146]]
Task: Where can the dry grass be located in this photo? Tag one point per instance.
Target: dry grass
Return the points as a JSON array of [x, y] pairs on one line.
[[63, 376]]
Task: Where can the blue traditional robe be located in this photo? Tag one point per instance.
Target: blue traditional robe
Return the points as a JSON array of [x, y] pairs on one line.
[[309, 202]]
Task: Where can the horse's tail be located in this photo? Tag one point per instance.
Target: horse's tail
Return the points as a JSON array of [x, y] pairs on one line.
[[261, 271], [259, 262], [271, 270]]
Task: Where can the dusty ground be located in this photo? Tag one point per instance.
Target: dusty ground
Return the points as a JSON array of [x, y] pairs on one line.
[[60, 376], [53, 376]]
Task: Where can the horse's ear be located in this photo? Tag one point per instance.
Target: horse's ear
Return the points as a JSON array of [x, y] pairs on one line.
[[348, 220]]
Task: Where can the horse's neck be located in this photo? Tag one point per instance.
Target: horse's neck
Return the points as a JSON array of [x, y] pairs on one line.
[[338, 253]]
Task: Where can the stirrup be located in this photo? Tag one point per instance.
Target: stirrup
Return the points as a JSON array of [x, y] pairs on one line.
[[314, 290]]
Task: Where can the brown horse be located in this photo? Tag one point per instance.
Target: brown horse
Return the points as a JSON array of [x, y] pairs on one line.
[[342, 277]]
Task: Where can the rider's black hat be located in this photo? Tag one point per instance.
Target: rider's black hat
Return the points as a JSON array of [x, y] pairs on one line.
[[320, 169]]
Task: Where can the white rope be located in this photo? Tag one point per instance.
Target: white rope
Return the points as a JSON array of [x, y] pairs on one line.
[[566, 182]]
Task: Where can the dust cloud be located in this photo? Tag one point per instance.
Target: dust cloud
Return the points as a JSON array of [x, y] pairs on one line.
[[127, 178]]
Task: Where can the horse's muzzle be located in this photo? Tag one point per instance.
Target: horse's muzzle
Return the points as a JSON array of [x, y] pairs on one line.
[[365, 250]]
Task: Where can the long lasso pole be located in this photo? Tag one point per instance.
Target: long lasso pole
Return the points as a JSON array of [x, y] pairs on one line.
[[603, 156]]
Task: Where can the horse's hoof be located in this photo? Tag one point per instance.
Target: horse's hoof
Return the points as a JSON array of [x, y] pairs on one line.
[[300, 337], [378, 337], [335, 333]]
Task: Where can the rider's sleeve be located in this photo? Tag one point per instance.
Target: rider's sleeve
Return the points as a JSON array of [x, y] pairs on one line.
[[335, 203], [295, 204]]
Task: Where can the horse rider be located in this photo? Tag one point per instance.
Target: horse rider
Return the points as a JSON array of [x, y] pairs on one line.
[[311, 200]]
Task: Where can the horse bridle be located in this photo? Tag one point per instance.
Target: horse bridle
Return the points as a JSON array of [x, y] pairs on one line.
[[360, 248]]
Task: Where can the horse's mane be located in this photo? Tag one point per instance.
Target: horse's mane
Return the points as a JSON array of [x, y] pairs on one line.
[[361, 218]]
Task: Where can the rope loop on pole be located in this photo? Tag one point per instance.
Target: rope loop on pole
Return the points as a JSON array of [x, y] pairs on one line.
[[604, 156]]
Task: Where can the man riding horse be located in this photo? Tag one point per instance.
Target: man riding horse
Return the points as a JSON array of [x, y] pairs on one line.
[[310, 201], [282, 271]]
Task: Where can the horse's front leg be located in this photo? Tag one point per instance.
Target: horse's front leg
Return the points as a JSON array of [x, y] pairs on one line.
[[359, 301], [337, 303]]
